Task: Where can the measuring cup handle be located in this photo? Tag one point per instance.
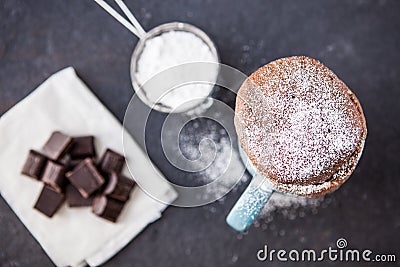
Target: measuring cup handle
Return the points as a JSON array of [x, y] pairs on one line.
[[249, 204]]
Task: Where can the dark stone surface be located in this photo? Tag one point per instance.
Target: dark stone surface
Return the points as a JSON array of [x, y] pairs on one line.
[[358, 39]]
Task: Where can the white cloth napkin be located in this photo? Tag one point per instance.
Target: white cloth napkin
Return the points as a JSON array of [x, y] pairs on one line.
[[74, 236]]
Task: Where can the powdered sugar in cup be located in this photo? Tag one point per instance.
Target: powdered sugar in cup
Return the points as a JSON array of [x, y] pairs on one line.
[[166, 46]]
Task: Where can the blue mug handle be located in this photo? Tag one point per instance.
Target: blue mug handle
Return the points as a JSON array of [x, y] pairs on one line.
[[250, 203]]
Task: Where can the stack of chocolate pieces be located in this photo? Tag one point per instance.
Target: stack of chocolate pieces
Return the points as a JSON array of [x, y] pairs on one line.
[[67, 167]]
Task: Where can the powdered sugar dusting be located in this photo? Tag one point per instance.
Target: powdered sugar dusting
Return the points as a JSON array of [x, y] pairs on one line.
[[288, 205], [215, 154], [298, 122]]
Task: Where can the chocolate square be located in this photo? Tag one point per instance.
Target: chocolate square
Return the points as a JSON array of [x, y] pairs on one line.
[[75, 199], [83, 147], [65, 160], [111, 162], [57, 145], [75, 162], [34, 164], [69, 162], [85, 177], [49, 201], [107, 208], [119, 187], [54, 175]]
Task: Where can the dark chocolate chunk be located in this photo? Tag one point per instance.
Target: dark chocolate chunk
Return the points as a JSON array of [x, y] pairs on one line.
[[49, 201], [111, 162], [75, 162], [85, 177], [65, 160], [82, 147], [69, 162], [107, 208], [119, 187], [54, 175], [75, 199], [34, 164], [57, 145]]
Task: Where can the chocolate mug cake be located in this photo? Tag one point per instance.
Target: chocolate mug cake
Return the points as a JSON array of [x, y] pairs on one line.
[[300, 126]]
